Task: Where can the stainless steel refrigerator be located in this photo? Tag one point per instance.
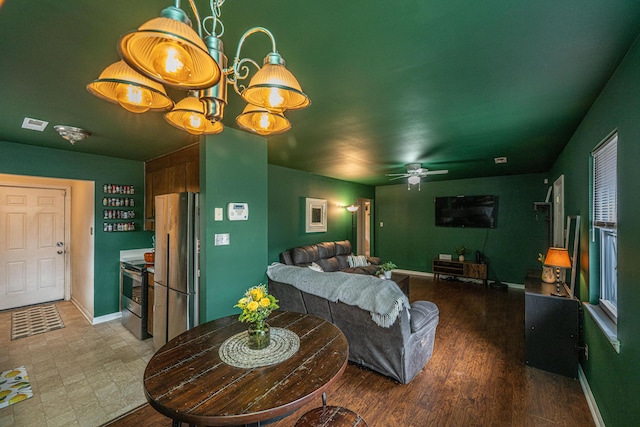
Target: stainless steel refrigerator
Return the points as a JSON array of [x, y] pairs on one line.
[[175, 305]]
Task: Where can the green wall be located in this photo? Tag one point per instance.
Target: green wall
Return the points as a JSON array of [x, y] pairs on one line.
[[233, 168], [614, 378], [288, 190], [21, 159], [410, 238]]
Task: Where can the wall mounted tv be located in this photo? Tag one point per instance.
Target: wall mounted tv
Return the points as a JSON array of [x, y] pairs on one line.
[[467, 211]]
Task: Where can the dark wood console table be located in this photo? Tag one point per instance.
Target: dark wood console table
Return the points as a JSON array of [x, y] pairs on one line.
[[551, 328], [188, 382], [467, 269]]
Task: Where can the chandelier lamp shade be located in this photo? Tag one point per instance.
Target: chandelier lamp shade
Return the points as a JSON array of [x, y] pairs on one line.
[[121, 84], [189, 115], [168, 51], [262, 121]]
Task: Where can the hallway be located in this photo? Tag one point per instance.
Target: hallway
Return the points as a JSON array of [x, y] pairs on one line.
[[81, 375]]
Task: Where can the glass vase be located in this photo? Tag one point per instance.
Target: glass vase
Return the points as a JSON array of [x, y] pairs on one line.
[[259, 335]]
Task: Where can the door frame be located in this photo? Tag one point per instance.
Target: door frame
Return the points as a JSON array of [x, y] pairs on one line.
[[67, 224], [558, 213]]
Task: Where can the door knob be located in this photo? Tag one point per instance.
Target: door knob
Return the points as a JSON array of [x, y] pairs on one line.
[[60, 244], [60, 252]]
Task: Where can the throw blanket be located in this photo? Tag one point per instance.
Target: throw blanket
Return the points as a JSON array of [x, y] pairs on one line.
[[382, 298]]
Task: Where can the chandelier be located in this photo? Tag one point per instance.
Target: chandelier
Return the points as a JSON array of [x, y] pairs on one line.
[[167, 51]]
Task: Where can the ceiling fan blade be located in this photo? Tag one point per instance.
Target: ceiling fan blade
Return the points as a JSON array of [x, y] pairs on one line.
[[439, 172], [397, 174], [397, 177]]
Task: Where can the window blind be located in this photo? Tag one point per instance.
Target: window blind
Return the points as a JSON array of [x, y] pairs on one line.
[[605, 188]]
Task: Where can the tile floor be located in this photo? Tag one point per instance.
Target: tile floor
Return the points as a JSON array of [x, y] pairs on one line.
[[82, 375]]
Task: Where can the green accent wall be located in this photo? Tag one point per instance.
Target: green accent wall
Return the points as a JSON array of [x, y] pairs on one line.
[[410, 238], [233, 168], [288, 190], [614, 378], [22, 159]]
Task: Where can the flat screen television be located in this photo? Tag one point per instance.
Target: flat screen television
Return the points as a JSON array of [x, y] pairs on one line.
[[467, 211]]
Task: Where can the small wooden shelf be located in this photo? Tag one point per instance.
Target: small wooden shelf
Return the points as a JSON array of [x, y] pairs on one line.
[[467, 269]]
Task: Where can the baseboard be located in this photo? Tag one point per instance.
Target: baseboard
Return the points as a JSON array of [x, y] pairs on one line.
[[591, 401], [414, 273], [106, 318], [83, 310]]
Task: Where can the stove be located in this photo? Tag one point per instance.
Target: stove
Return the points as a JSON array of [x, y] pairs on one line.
[[134, 296]]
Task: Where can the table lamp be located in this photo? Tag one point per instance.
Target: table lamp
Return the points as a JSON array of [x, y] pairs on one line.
[[558, 258]]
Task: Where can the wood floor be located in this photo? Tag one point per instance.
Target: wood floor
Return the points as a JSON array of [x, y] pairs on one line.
[[476, 377]]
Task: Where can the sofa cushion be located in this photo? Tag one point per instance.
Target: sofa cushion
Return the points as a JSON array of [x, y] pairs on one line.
[[422, 313], [343, 247], [304, 255], [343, 261], [326, 249], [357, 261], [329, 264]]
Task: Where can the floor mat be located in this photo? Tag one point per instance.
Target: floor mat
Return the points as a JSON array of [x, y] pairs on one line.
[[35, 320], [14, 386]]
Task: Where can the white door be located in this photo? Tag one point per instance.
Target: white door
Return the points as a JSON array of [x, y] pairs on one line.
[[32, 246]]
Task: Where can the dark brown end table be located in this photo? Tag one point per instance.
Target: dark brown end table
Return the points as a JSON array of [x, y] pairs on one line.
[[186, 380], [402, 280]]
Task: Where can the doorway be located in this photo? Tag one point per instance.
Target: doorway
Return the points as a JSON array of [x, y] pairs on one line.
[[364, 226]]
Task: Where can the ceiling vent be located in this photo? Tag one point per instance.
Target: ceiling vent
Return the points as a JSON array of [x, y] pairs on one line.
[[500, 160], [34, 124]]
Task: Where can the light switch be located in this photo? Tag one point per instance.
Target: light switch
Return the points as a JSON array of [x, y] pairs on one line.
[[381, 224], [221, 239], [218, 212]]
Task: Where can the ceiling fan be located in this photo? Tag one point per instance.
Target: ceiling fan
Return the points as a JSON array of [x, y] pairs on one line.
[[415, 172]]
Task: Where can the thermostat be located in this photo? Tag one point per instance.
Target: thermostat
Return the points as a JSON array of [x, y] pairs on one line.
[[238, 211]]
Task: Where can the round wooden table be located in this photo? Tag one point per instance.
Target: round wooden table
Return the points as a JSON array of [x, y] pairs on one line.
[[188, 382]]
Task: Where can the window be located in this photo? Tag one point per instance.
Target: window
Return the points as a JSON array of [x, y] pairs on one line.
[[605, 207]]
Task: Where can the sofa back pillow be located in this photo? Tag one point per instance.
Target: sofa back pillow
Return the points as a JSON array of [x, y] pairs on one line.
[[326, 249], [304, 255], [343, 247]]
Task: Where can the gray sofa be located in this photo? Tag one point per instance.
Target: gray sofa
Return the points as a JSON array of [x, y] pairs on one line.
[[331, 256], [399, 351]]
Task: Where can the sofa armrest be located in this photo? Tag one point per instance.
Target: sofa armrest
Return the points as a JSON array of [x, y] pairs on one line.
[[374, 260], [423, 314]]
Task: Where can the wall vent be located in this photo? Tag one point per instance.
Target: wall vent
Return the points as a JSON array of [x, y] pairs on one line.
[[34, 124]]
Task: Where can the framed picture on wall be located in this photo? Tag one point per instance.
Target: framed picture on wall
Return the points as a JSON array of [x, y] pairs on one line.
[[316, 215]]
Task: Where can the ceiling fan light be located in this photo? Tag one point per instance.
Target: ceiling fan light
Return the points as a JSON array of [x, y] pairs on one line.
[[275, 88], [414, 179], [262, 122], [169, 51], [188, 115], [121, 84]]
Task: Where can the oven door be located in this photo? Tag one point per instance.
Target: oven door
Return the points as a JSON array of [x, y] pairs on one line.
[[131, 283]]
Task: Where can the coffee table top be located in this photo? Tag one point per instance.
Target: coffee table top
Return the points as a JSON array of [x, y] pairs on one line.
[[187, 381]]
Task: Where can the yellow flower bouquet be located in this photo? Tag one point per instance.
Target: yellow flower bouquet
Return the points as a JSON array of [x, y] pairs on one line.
[[256, 305]]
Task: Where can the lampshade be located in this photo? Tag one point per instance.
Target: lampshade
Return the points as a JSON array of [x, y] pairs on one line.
[[413, 179], [121, 84], [274, 87], [352, 208], [189, 115], [167, 50], [557, 257], [258, 120]]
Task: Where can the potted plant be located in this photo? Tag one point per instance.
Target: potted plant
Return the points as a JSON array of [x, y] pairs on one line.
[[385, 269], [461, 251]]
